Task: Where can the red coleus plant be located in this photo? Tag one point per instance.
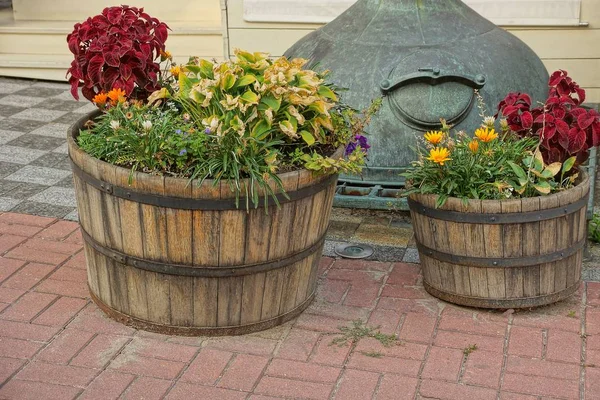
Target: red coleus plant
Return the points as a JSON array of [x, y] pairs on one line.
[[116, 49], [566, 129]]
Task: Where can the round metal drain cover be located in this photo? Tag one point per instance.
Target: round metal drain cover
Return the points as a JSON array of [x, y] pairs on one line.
[[349, 250]]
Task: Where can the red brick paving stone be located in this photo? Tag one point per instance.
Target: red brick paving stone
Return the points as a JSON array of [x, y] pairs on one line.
[[27, 331], [592, 321], [7, 242], [483, 369], [357, 385], [592, 342], [468, 322], [320, 323], [404, 274], [356, 277], [541, 386], [324, 264], [408, 350], [243, 372], [26, 219], [302, 371], [52, 245], [328, 354], [592, 383], [17, 348], [344, 312], [58, 374], [37, 255], [291, 388], [460, 340], [298, 344], [243, 344], [261, 397], [545, 368], [386, 320], [59, 313], [9, 366], [544, 321], [65, 346], [70, 274], [516, 396], [417, 327], [593, 293], [77, 261], [207, 367], [100, 351], [404, 292], [8, 295], [396, 387], [59, 230], [426, 306], [107, 386], [8, 266], [564, 346], [454, 391], [29, 390], [443, 363], [3, 306], [592, 357], [63, 288], [332, 290], [391, 365], [19, 230], [28, 276], [160, 349], [525, 341], [152, 367], [188, 391], [28, 306], [144, 388], [361, 265], [75, 237]]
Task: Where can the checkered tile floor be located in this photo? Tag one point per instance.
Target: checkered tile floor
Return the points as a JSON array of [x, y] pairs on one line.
[[35, 175]]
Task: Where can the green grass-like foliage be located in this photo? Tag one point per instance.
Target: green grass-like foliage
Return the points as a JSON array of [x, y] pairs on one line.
[[594, 228], [358, 330]]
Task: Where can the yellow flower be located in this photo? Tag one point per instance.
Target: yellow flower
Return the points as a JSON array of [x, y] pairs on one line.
[[439, 155], [175, 71], [434, 137], [474, 145], [485, 134], [165, 55], [100, 99], [117, 95]]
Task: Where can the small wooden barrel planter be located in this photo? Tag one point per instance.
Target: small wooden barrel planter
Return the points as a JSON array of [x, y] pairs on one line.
[[171, 257], [502, 253]]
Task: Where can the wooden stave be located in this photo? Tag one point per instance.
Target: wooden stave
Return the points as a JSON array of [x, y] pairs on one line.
[[525, 278]]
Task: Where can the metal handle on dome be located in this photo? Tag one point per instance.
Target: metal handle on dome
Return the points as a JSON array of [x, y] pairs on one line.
[[432, 76]]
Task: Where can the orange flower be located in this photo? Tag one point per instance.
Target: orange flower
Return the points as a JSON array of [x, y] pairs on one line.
[[439, 155], [434, 137], [474, 145], [100, 99], [165, 55], [485, 134], [175, 71], [117, 95]]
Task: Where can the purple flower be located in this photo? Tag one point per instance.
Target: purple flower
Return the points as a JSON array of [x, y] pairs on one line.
[[350, 148], [207, 131], [182, 152], [362, 142], [178, 131]]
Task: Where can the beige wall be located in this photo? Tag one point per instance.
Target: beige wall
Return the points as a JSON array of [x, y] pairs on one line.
[[32, 40], [575, 49]]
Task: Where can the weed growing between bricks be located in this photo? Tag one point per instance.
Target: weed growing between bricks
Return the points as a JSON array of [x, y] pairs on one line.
[[359, 330]]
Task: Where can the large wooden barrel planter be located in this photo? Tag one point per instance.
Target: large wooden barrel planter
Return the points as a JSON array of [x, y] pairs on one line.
[[168, 256], [502, 253]]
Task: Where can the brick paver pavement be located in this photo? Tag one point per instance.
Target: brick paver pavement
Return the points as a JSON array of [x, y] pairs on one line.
[[56, 344]]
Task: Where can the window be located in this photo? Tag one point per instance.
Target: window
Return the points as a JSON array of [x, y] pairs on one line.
[[501, 12]]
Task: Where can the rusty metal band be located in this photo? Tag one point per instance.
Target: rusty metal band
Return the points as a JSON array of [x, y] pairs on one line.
[[181, 203], [516, 262], [199, 271], [520, 302], [497, 218], [146, 325]]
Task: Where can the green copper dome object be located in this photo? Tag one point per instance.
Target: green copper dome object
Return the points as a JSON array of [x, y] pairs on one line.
[[425, 57]]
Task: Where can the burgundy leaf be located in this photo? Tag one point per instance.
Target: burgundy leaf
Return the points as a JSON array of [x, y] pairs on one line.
[[74, 85], [88, 92], [527, 120], [556, 77], [576, 140], [585, 120], [113, 14], [125, 71], [95, 68], [109, 77]]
